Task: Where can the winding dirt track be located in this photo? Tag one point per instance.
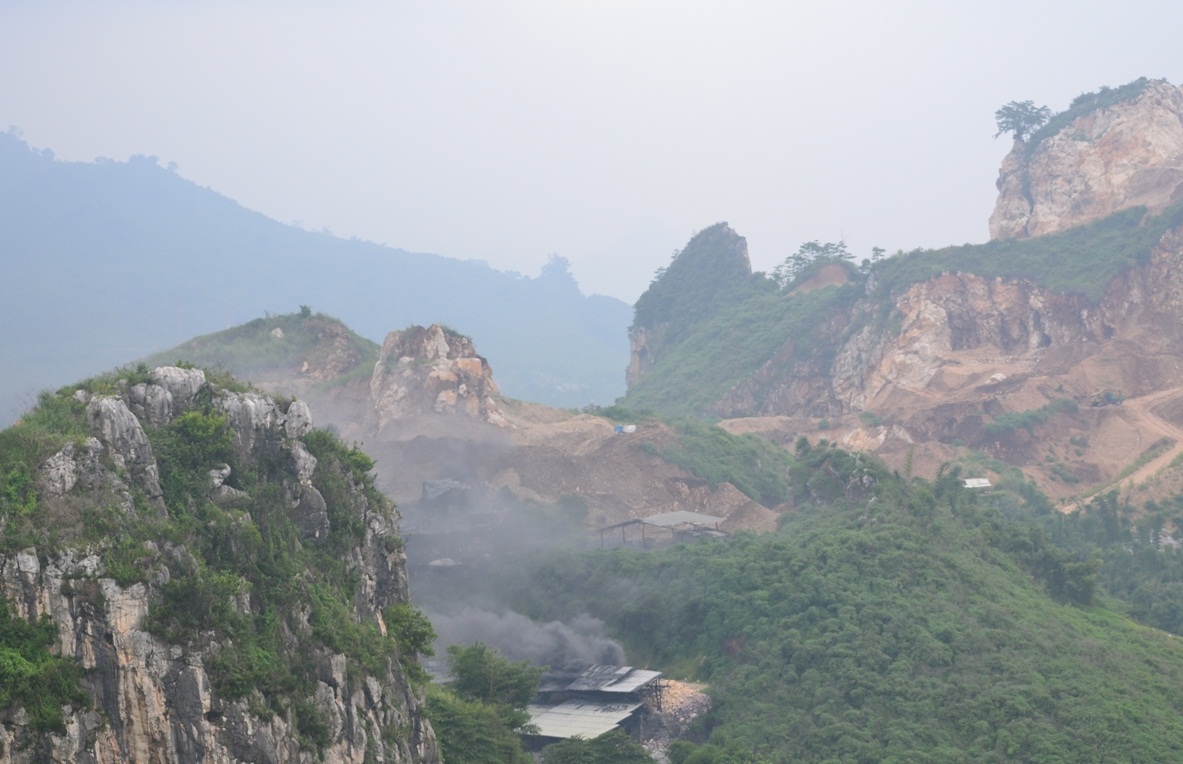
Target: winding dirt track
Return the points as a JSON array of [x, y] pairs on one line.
[[1140, 412]]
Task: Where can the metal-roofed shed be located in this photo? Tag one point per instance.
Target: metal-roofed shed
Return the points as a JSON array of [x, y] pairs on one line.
[[683, 517], [586, 718], [680, 523], [635, 681], [599, 676]]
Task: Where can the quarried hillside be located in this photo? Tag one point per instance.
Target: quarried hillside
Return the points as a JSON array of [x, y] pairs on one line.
[[1021, 350], [427, 407]]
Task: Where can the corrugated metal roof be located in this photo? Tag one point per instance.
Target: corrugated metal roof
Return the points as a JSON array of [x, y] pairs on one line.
[[682, 517], [579, 717], [633, 682], [597, 676]]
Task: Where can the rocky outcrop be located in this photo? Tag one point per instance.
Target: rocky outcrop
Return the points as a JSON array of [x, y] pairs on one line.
[[433, 371], [334, 354], [641, 355], [154, 701], [125, 442], [1107, 159]]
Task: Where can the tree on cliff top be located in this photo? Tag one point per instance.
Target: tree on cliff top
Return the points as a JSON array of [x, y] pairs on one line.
[[1021, 118]]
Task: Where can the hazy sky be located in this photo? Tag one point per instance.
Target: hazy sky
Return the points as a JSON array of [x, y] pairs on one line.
[[607, 132]]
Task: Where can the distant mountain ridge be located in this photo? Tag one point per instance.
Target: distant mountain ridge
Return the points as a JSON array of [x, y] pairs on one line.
[[107, 262]]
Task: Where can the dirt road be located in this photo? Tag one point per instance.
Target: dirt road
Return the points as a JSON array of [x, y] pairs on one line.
[[1140, 412]]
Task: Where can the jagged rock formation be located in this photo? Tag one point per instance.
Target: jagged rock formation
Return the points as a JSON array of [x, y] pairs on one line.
[[1105, 159], [154, 700], [433, 371]]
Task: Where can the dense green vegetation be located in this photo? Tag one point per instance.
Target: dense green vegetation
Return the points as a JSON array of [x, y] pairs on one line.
[[691, 375], [478, 716], [712, 322], [888, 620], [55, 421], [1081, 260], [709, 273], [1141, 571], [609, 748], [241, 578], [31, 676], [754, 465]]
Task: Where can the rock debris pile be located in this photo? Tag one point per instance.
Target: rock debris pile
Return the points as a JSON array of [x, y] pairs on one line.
[[681, 703]]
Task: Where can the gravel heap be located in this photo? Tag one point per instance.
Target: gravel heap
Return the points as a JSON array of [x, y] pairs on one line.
[[681, 702]]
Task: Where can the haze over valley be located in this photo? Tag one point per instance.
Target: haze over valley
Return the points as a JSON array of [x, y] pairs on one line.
[[824, 484]]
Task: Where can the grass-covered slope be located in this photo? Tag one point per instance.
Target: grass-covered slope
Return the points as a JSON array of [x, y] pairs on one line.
[[1081, 260], [886, 621], [693, 373], [278, 347]]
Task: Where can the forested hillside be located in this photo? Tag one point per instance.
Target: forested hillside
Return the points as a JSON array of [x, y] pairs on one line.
[[888, 620], [81, 241]]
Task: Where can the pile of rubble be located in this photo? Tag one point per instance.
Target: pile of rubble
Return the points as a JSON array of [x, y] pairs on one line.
[[681, 702]]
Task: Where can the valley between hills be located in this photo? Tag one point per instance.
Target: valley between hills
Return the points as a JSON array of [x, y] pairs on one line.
[[244, 548]]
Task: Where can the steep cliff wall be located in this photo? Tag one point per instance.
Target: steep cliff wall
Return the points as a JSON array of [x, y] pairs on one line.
[[220, 571], [1105, 159]]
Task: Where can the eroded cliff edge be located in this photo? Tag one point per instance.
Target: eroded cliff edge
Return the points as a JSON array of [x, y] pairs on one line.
[[222, 573], [1112, 150]]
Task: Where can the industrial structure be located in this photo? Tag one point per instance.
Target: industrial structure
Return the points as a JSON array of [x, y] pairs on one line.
[[600, 699], [682, 526]]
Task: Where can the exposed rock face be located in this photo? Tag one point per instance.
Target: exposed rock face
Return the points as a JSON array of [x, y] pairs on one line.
[[956, 312], [333, 355], [125, 442], [957, 352], [153, 701], [1115, 157], [433, 371]]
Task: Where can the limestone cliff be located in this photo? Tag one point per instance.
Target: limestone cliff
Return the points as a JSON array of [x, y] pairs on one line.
[[152, 562], [433, 371], [1092, 161]]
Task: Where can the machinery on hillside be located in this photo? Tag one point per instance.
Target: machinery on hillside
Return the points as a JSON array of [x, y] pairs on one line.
[[1105, 398]]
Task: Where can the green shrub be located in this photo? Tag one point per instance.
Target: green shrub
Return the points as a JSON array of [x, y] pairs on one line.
[[1081, 260], [757, 467], [31, 676], [1028, 420], [1087, 103], [471, 732]]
